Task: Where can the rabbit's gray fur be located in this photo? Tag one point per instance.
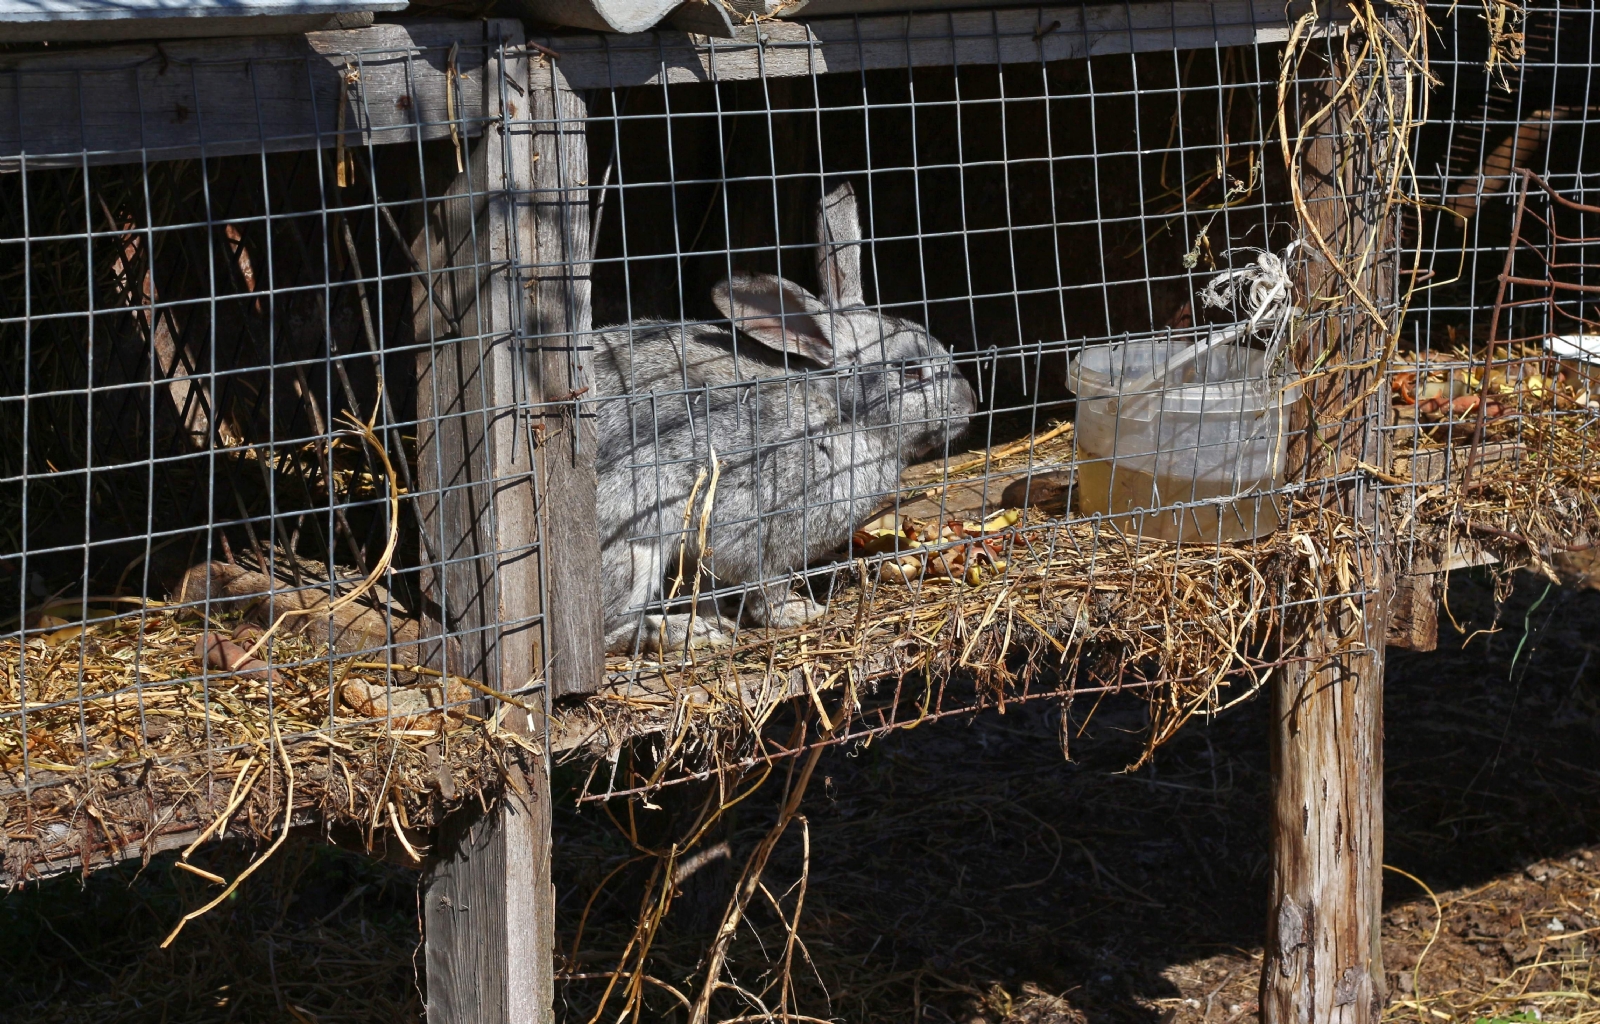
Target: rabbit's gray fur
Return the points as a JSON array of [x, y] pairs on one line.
[[812, 426]]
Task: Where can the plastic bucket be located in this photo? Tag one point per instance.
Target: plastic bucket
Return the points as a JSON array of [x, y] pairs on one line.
[[1209, 436]]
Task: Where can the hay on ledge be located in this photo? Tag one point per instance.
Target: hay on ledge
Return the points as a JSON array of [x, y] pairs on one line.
[[1089, 602], [132, 748], [1512, 467]]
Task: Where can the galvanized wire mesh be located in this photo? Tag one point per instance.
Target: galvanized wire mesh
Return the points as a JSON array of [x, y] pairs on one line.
[[1495, 418], [248, 292], [1012, 216], [852, 284]]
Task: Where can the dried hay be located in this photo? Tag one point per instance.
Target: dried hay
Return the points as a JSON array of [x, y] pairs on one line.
[[133, 745], [1511, 465], [972, 869], [1072, 599], [934, 879]]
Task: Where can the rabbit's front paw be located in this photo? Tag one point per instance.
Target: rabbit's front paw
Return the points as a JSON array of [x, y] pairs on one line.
[[791, 610], [672, 634]]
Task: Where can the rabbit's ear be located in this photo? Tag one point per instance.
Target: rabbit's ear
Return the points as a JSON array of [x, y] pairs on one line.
[[839, 248], [776, 312]]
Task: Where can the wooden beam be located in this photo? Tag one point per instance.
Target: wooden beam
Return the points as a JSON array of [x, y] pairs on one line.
[[135, 849], [222, 97], [488, 908], [821, 46], [476, 504], [1418, 588], [1414, 622], [182, 23]]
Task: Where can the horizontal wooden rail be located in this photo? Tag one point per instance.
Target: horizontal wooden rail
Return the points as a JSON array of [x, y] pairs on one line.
[[225, 97], [888, 41]]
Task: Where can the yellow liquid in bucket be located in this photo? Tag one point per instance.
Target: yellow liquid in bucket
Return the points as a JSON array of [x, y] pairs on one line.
[[1127, 491]]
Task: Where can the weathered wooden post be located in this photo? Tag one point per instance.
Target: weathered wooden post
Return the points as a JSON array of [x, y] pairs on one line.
[[1323, 961], [509, 465]]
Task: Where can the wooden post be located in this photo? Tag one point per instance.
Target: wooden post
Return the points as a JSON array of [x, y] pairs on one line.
[[562, 370], [507, 509], [1323, 962]]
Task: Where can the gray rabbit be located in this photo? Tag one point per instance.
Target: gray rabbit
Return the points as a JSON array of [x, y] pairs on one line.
[[811, 426]]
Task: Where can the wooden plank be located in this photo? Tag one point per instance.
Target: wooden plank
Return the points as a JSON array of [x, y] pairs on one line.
[[466, 402], [1447, 465], [476, 501], [1045, 486], [489, 908], [122, 29], [134, 849], [1414, 623], [562, 366], [822, 46], [476, 506], [221, 97], [488, 904]]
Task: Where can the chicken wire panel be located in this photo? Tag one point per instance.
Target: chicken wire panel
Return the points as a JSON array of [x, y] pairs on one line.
[[267, 432], [855, 315], [1494, 408]]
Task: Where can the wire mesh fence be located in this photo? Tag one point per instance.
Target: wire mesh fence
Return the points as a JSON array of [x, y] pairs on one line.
[[1001, 218], [264, 442], [1494, 421], [964, 358], [908, 364]]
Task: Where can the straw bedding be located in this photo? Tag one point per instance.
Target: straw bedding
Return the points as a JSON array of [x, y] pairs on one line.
[[130, 742], [128, 738], [1195, 625], [1501, 448], [935, 876]]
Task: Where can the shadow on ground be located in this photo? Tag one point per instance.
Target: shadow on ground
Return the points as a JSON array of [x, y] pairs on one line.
[[963, 871]]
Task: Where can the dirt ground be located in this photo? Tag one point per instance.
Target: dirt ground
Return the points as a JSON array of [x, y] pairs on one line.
[[967, 872]]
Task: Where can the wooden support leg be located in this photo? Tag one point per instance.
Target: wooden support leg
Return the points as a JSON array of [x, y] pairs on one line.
[[1414, 626], [488, 906], [489, 912], [1323, 960], [1323, 963]]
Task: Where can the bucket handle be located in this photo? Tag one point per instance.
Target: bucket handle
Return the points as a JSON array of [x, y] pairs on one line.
[[1142, 384]]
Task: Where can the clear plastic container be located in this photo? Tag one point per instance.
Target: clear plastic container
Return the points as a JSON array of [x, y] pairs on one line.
[[1163, 423]]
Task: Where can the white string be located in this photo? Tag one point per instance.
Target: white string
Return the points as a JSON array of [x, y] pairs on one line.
[[1264, 289]]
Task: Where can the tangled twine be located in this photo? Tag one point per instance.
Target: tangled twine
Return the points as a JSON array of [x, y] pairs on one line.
[[1264, 289]]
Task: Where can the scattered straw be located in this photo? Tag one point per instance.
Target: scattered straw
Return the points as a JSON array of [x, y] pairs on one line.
[[283, 833], [130, 737]]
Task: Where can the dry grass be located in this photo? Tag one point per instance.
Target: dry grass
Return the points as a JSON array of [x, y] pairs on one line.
[[959, 871], [1516, 477], [1194, 625], [965, 872], [129, 738]]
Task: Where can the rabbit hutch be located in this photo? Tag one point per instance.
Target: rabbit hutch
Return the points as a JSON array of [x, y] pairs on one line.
[[395, 404]]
